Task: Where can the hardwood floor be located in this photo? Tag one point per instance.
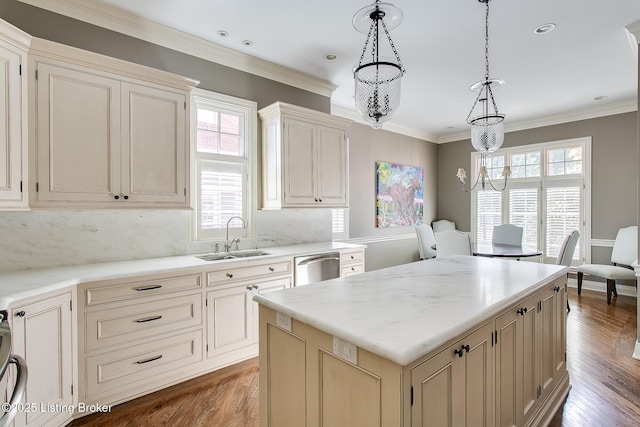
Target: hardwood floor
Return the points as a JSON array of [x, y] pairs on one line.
[[600, 340]]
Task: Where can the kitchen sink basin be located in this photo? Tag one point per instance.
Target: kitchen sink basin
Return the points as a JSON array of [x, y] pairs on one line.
[[231, 255]]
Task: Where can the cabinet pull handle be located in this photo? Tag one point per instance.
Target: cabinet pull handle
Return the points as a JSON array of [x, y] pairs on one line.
[[272, 269], [149, 319], [229, 275], [151, 359], [557, 289], [522, 311], [21, 313], [148, 288]]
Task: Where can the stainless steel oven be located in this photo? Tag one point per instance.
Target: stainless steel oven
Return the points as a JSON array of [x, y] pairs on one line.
[[315, 268], [6, 358]]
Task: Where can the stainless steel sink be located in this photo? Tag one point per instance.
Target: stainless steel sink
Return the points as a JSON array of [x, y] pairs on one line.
[[231, 255]]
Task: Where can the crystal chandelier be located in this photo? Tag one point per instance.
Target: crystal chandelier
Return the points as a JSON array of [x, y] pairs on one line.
[[377, 80], [487, 129]]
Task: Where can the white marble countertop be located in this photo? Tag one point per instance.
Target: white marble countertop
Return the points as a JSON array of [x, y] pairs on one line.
[[402, 313], [18, 285]]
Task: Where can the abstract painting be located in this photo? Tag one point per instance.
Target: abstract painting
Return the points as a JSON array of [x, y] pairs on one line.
[[399, 195]]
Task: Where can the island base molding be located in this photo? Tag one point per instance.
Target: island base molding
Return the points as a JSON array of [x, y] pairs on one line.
[[307, 380]]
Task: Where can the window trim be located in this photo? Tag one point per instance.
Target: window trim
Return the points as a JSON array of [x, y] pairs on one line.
[[585, 229], [249, 110]]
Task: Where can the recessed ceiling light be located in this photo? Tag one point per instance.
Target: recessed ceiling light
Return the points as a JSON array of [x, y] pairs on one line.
[[223, 33], [247, 42], [546, 28], [599, 98], [331, 56]]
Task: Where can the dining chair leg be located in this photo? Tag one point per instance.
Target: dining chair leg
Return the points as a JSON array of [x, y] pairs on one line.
[[580, 282], [611, 288]]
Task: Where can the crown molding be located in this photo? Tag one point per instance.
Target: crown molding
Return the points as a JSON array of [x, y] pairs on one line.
[[390, 126], [111, 18], [14, 36], [574, 116]]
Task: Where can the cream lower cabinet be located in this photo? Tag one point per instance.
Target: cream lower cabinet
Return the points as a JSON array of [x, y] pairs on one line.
[[530, 354], [455, 387], [232, 315], [13, 117], [42, 333], [139, 334], [351, 262], [103, 138], [305, 158]]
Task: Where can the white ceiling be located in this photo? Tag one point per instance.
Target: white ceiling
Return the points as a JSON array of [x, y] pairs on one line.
[[441, 45]]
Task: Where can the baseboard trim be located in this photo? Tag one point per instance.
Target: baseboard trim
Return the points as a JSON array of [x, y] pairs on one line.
[[591, 285]]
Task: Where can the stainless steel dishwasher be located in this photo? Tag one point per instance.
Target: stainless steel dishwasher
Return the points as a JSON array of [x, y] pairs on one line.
[[315, 268]]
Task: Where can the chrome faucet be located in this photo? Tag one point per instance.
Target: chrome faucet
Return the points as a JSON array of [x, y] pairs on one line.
[[227, 242]]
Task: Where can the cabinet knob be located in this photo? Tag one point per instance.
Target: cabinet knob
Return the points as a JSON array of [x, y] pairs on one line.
[[319, 200], [459, 353], [315, 199], [557, 289], [116, 197], [21, 313], [126, 197], [272, 269], [255, 286], [522, 311], [249, 287], [229, 275]]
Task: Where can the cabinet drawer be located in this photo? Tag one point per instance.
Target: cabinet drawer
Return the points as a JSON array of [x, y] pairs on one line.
[[112, 290], [145, 362], [276, 268], [125, 323], [351, 270], [351, 257]]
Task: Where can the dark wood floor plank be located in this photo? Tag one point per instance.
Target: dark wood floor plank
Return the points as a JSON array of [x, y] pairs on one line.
[[600, 340]]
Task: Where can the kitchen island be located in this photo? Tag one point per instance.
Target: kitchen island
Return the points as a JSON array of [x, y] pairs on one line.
[[448, 341]]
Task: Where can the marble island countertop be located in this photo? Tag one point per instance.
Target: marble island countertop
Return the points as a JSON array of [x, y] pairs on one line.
[[402, 313], [18, 285]]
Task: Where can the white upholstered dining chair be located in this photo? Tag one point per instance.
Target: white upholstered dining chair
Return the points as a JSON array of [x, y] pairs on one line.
[[443, 224], [623, 256], [507, 234], [565, 255], [452, 242], [426, 241]]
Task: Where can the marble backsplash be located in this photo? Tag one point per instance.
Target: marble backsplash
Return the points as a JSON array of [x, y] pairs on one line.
[[38, 239]]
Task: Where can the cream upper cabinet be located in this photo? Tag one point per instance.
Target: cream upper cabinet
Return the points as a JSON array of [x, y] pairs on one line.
[[107, 133], [305, 158], [13, 117], [42, 334]]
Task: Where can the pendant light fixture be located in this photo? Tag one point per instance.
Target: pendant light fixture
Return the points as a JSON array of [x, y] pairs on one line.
[[377, 79], [487, 129]]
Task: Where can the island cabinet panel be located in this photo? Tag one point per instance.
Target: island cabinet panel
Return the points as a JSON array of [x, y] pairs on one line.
[[304, 383], [530, 354], [455, 387]]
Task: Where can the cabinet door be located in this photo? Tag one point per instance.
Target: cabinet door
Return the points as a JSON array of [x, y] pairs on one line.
[[516, 373], [78, 143], [154, 136], [455, 387], [552, 360], [264, 288], [299, 163], [12, 144], [42, 335], [230, 319], [333, 182]]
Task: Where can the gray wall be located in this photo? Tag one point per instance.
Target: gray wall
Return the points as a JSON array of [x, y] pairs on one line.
[[366, 146], [614, 196]]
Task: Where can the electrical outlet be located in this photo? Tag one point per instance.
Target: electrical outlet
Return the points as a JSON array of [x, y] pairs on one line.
[[345, 350], [283, 321]]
